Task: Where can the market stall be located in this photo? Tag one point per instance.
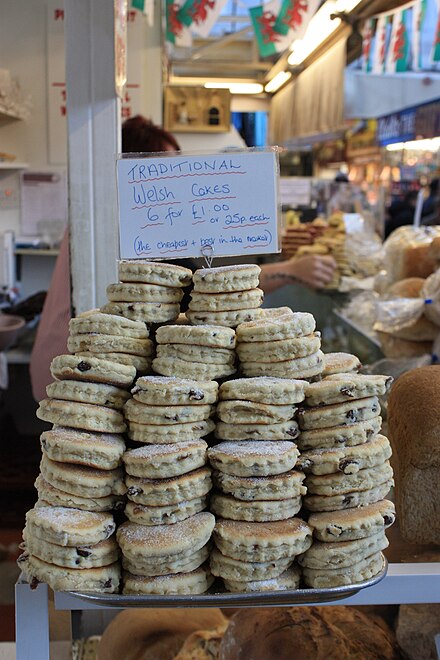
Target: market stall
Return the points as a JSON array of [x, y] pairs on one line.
[[219, 455]]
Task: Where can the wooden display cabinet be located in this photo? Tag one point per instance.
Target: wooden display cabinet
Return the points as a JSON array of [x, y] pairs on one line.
[[197, 110]]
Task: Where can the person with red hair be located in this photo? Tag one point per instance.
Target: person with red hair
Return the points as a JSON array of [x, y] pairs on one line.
[[141, 135]]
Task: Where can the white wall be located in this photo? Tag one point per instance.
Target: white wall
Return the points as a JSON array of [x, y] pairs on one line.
[[23, 52]]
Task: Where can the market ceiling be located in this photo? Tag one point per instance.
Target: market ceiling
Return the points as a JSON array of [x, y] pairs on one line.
[[231, 53]]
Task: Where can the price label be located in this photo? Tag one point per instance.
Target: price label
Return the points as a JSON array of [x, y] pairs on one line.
[[182, 206]]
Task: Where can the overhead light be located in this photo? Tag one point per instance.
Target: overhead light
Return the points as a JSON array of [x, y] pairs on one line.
[[277, 81], [321, 26], [236, 88], [416, 145]]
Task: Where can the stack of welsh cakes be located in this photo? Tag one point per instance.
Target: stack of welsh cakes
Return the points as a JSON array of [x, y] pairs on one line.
[[165, 542], [348, 477], [225, 296], [148, 291], [284, 346], [82, 453], [258, 490], [203, 352], [70, 550], [69, 536], [110, 337]]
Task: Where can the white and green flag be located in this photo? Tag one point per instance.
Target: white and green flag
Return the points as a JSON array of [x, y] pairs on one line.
[[294, 17], [269, 40], [176, 32], [368, 43], [435, 57], [399, 53], [382, 42], [146, 7], [200, 15]]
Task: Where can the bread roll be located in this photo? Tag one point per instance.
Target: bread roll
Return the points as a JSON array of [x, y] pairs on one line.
[[409, 288], [422, 330], [154, 634], [393, 347], [306, 633], [414, 433]]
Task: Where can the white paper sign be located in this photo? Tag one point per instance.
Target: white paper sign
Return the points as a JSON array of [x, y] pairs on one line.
[[295, 191], [222, 204]]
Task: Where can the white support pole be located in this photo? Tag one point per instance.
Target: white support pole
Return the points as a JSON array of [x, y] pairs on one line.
[[31, 622], [93, 112]]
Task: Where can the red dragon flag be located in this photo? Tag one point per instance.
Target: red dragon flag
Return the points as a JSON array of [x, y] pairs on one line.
[[177, 33], [200, 15], [294, 17], [398, 57], [382, 42], [269, 40]]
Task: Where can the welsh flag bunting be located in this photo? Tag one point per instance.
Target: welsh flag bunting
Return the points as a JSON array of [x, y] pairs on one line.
[[399, 51], [146, 7], [200, 15], [383, 35], [436, 45], [176, 33], [419, 18], [368, 43], [263, 18], [407, 38], [294, 16]]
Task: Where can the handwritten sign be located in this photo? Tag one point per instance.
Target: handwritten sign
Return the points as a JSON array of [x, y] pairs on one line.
[[222, 204]]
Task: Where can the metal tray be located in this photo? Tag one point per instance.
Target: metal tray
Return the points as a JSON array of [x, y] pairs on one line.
[[218, 598]]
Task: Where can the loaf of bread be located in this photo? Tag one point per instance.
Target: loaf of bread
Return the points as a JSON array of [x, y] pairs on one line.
[[417, 627], [154, 634], [303, 633], [434, 250], [414, 432], [407, 253]]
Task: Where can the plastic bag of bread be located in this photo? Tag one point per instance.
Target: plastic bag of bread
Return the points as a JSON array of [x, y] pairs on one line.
[[407, 252], [402, 313]]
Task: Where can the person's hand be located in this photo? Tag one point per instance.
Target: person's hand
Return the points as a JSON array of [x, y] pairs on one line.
[[314, 270]]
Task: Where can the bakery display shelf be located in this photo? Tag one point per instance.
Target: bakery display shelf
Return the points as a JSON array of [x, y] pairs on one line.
[[227, 599], [400, 583]]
